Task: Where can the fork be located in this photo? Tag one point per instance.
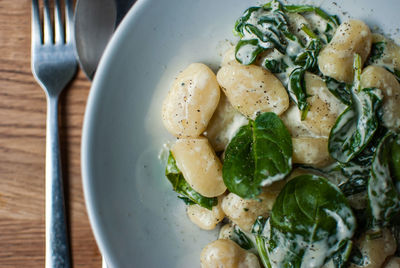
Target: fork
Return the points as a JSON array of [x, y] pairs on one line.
[[53, 65]]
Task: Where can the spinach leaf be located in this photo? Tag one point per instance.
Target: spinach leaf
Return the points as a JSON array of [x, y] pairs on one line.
[[260, 28], [355, 127], [358, 169], [258, 227], [297, 90], [395, 159], [238, 167], [276, 66], [339, 89], [244, 240], [310, 224], [241, 22], [179, 184], [383, 197], [186, 200], [341, 257], [377, 52], [308, 58], [378, 57], [395, 229], [356, 257], [258, 155], [308, 8], [246, 51], [357, 178], [396, 73], [351, 177], [332, 22]]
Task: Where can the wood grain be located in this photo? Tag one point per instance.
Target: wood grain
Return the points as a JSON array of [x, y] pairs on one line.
[[22, 151]]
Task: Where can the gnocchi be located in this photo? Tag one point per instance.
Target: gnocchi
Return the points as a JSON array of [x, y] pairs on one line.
[[336, 59], [191, 101], [200, 166], [378, 249], [393, 262], [252, 90], [325, 108], [226, 231], [204, 218], [244, 212], [375, 76], [312, 151], [297, 128], [225, 253], [391, 53]]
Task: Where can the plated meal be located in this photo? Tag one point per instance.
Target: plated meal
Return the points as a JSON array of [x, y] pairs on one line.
[[292, 148]]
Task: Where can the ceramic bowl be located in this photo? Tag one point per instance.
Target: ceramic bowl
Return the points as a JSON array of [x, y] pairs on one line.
[[136, 217]]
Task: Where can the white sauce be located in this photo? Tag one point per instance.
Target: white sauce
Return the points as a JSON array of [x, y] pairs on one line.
[[237, 122]]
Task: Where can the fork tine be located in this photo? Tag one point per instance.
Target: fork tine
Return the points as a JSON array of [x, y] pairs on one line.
[[58, 23], [36, 28], [69, 20], [48, 29]]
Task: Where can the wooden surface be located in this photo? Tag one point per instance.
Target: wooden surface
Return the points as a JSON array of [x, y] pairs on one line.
[[22, 151]]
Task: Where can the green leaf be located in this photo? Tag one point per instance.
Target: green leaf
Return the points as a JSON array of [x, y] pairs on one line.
[[307, 8], [357, 175], [395, 229], [310, 224], [262, 251], [246, 51], [273, 5], [356, 257], [395, 159], [257, 231], [275, 66], [332, 21], [355, 127], [341, 257], [339, 89], [258, 155], [241, 22], [379, 56], [179, 184], [259, 225], [238, 167], [297, 90], [396, 74], [241, 238], [377, 51], [308, 59], [260, 28], [358, 169], [186, 200], [383, 197]]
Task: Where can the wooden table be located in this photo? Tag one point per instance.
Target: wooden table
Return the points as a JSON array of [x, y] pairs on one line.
[[22, 151]]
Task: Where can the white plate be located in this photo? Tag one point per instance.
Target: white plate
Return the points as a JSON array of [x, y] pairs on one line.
[[136, 218]]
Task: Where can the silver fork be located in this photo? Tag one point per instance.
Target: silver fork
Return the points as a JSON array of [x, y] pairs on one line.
[[53, 65]]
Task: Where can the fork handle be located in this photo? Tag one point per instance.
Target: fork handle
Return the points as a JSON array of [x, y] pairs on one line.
[[57, 246]]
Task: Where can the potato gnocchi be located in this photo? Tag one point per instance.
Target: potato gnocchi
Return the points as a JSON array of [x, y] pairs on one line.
[[292, 148]]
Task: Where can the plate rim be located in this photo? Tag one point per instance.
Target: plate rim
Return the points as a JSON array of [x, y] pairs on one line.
[[87, 129]]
